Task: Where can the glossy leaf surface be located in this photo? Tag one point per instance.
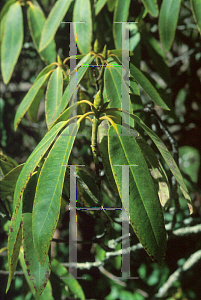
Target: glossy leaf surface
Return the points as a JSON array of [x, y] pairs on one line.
[[12, 40], [146, 215], [47, 201], [54, 96], [168, 18]]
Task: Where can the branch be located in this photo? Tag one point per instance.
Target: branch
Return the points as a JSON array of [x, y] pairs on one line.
[[190, 262]]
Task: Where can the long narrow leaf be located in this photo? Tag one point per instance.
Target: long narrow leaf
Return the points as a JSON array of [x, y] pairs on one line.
[[168, 159], [36, 21], [12, 40], [99, 6], [32, 163], [29, 98], [53, 21], [47, 201], [54, 96], [168, 18], [38, 274], [147, 86], [82, 12], [151, 6], [144, 209], [196, 8], [120, 15]]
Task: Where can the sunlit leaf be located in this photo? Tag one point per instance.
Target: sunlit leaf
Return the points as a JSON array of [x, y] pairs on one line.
[[168, 18], [53, 21], [99, 6], [144, 208], [12, 40], [82, 12], [36, 21], [47, 201], [120, 15], [151, 6], [53, 97]]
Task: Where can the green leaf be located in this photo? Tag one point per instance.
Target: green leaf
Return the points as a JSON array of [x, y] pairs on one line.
[[53, 21], [47, 201], [168, 18], [168, 159], [12, 40], [103, 149], [111, 4], [120, 15], [99, 6], [38, 274], [147, 86], [144, 209], [54, 96], [47, 293], [69, 281], [14, 243], [5, 8], [6, 166], [157, 55], [32, 163], [157, 172], [82, 12], [33, 93], [151, 6], [76, 78], [65, 115], [196, 8], [8, 182], [36, 21], [114, 83]]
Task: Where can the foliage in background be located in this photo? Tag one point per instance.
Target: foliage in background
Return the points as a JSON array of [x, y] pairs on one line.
[[35, 187]]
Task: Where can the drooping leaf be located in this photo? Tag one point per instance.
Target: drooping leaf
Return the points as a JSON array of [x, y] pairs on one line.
[[168, 18], [54, 96], [12, 40], [47, 201], [120, 15], [53, 21], [145, 211], [32, 163], [151, 6], [29, 98], [147, 86], [82, 12], [61, 272], [8, 182], [157, 172], [47, 293], [196, 8], [36, 21], [82, 67], [38, 274], [168, 159], [157, 55], [14, 243], [5, 166], [99, 6]]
